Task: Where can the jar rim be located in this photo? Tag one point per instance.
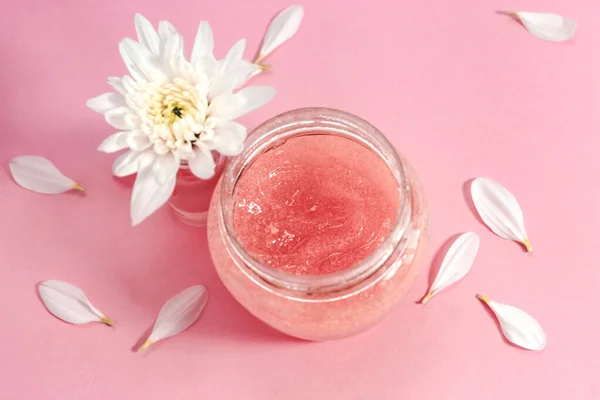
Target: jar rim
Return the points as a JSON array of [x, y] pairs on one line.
[[304, 121]]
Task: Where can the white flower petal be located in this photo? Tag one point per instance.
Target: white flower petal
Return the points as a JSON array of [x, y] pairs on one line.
[[148, 195], [226, 106], [139, 62], [122, 118], [204, 43], [255, 97], [68, 303], [457, 262], [518, 327], [173, 55], [178, 314], [165, 167], [130, 85], [138, 140], [125, 164], [147, 36], [115, 142], [234, 130], [174, 46], [500, 210], [228, 138], [223, 84], [160, 148], [244, 71], [133, 55], [547, 26], [106, 102], [202, 164], [40, 175], [234, 56], [136, 103], [185, 151], [282, 28], [165, 31], [208, 66], [146, 159], [187, 73], [130, 162], [117, 84]]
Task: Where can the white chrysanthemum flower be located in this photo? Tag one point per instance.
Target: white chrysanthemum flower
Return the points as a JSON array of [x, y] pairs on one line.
[[171, 110]]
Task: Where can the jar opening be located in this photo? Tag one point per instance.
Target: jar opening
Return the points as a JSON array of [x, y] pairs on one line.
[[315, 121]]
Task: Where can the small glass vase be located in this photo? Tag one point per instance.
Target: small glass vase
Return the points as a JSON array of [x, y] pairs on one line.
[[191, 198]]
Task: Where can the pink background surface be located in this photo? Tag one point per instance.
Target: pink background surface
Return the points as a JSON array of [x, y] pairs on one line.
[[460, 90]]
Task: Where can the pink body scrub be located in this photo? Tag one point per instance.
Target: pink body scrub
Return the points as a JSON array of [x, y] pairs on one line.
[[315, 205], [318, 228]]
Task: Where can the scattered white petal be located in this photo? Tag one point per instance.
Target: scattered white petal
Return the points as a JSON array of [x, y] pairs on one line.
[[69, 303], [148, 195], [282, 28], [517, 326], [38, 174], [457, 262], [178, 314], [115, 142], [204, 43], [106, 102], [547, 26], [500, 210]]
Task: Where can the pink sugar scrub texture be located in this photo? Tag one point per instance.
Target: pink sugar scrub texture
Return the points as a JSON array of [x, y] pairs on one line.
[[315, 205]]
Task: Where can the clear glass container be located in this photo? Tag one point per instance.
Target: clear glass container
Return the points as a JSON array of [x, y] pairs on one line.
[[336, 305], [191, 198]]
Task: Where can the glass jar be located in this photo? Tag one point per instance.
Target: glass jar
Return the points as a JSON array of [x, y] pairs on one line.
[[191, 198], [336, 305]]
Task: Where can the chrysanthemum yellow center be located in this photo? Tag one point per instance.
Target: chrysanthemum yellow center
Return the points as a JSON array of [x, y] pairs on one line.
[[174, 113], [177, 111], [169, 101]]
